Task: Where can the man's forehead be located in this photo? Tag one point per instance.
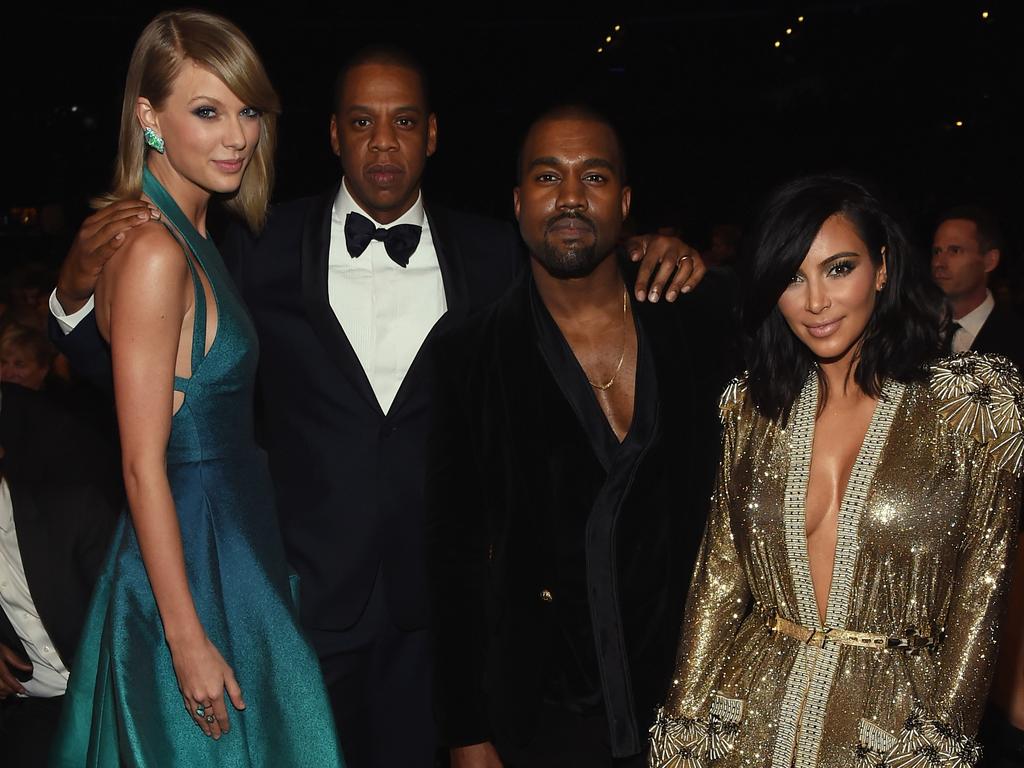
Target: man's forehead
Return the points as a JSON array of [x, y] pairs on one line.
[[571, 140], [382, 81], [960, 228]]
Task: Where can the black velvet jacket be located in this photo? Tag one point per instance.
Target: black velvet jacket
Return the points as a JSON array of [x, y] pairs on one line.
[[510, 462]]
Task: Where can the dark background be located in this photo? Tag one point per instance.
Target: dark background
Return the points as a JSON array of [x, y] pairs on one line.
[[713, 113]]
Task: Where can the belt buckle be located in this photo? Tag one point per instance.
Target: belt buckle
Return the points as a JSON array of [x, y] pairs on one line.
[[818, 637]]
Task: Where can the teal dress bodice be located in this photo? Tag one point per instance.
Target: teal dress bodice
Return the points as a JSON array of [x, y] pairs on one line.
[[123, 706]]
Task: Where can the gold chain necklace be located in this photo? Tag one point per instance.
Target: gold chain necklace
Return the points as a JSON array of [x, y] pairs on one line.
[[603, 387]]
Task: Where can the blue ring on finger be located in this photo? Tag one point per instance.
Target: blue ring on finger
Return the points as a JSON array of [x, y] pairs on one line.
[[201, 711]]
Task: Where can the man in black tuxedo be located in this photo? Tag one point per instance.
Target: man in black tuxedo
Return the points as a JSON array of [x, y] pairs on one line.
[[571, 465], [966, 250], [348, 291], [56, 518]]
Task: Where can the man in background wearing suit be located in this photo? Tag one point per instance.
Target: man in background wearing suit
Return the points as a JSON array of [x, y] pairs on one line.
[[56, 517], [348, 290], [966, 249]]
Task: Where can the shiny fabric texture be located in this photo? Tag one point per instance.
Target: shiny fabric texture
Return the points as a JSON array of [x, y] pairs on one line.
[[123, 706], [926, 531]]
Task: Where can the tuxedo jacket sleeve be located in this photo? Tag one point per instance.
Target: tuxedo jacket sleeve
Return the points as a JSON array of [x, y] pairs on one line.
[[86, 350], [60, 474]]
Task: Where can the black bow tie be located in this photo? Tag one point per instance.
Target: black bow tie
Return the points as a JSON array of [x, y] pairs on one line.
[[399, 241]]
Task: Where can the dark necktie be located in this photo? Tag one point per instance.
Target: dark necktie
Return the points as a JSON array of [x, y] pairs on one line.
[[954, 327], [399, 241]]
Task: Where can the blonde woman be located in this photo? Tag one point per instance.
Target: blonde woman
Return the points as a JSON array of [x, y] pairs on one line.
[[192, 654]]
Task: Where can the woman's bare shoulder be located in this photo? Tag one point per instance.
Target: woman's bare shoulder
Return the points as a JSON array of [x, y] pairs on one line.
[[151, 254]]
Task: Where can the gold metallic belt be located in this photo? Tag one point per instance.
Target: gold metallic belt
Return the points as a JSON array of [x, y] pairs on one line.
[[819, 637]]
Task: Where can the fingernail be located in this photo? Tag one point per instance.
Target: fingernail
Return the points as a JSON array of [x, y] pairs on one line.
[[635, 255], [671, 295], [641, 295], [143, 215], [654, 296], [154, 213], [686, 289], [119, 236]]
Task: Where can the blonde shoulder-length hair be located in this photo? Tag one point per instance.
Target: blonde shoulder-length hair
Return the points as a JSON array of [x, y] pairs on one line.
[[215, 43]]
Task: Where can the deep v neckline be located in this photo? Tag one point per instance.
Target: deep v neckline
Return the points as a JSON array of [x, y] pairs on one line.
[[858, 485]]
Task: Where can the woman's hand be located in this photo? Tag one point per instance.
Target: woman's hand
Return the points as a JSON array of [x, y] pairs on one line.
[[203, 676]]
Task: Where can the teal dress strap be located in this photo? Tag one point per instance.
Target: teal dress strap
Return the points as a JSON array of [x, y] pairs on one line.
[[155, 192], [198, 327]]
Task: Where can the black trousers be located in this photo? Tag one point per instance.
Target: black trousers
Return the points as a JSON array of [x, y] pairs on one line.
[[27, 727], [379, 679], [566, 739]]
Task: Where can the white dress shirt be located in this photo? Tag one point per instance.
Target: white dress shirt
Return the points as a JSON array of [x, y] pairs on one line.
[[385, 310], [67, 322], [970, 324], [49, 675]]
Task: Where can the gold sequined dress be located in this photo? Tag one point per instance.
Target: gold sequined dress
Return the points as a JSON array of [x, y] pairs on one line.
[[926, 530]]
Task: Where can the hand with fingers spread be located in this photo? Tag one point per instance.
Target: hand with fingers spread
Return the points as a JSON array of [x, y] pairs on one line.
[[10, 664], [203, 676], [668, 267], [97, 240]]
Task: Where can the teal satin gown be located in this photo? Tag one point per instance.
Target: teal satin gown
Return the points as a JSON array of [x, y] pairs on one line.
[[123, 705]]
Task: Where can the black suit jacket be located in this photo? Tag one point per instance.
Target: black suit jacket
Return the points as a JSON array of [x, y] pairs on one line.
[[1002, 334], [58, 472], [509, 458], [348, 478]]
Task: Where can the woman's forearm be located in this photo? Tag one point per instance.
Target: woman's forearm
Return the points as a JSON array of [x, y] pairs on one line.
[[156, 525]]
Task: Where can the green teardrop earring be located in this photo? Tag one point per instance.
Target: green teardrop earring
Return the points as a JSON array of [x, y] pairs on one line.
[[153, 139]]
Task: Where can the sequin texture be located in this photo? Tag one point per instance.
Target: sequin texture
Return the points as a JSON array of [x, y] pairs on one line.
[[926, 530]]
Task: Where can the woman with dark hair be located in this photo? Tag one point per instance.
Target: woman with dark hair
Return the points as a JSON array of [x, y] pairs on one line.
[[845, 602]]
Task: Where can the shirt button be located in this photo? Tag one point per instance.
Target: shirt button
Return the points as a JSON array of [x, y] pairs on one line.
[[546, 596], [47, 649]]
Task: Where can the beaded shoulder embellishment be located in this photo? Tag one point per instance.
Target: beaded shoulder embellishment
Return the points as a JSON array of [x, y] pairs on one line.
[[732, 396], [982, 396]]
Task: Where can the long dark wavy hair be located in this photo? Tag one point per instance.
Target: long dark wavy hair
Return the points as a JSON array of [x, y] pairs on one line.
[[904, 332]]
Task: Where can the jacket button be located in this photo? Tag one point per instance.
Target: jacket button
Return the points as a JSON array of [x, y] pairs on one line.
[[546, 596]]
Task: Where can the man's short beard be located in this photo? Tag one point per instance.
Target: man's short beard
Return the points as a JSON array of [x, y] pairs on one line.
[[574, 261]]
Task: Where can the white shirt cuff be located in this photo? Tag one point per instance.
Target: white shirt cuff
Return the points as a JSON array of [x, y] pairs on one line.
[[68, 323]]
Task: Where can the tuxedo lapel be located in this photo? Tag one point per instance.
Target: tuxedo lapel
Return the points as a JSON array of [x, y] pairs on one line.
[[316, 245], [452, 263], [673, 360], [456, 293]]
